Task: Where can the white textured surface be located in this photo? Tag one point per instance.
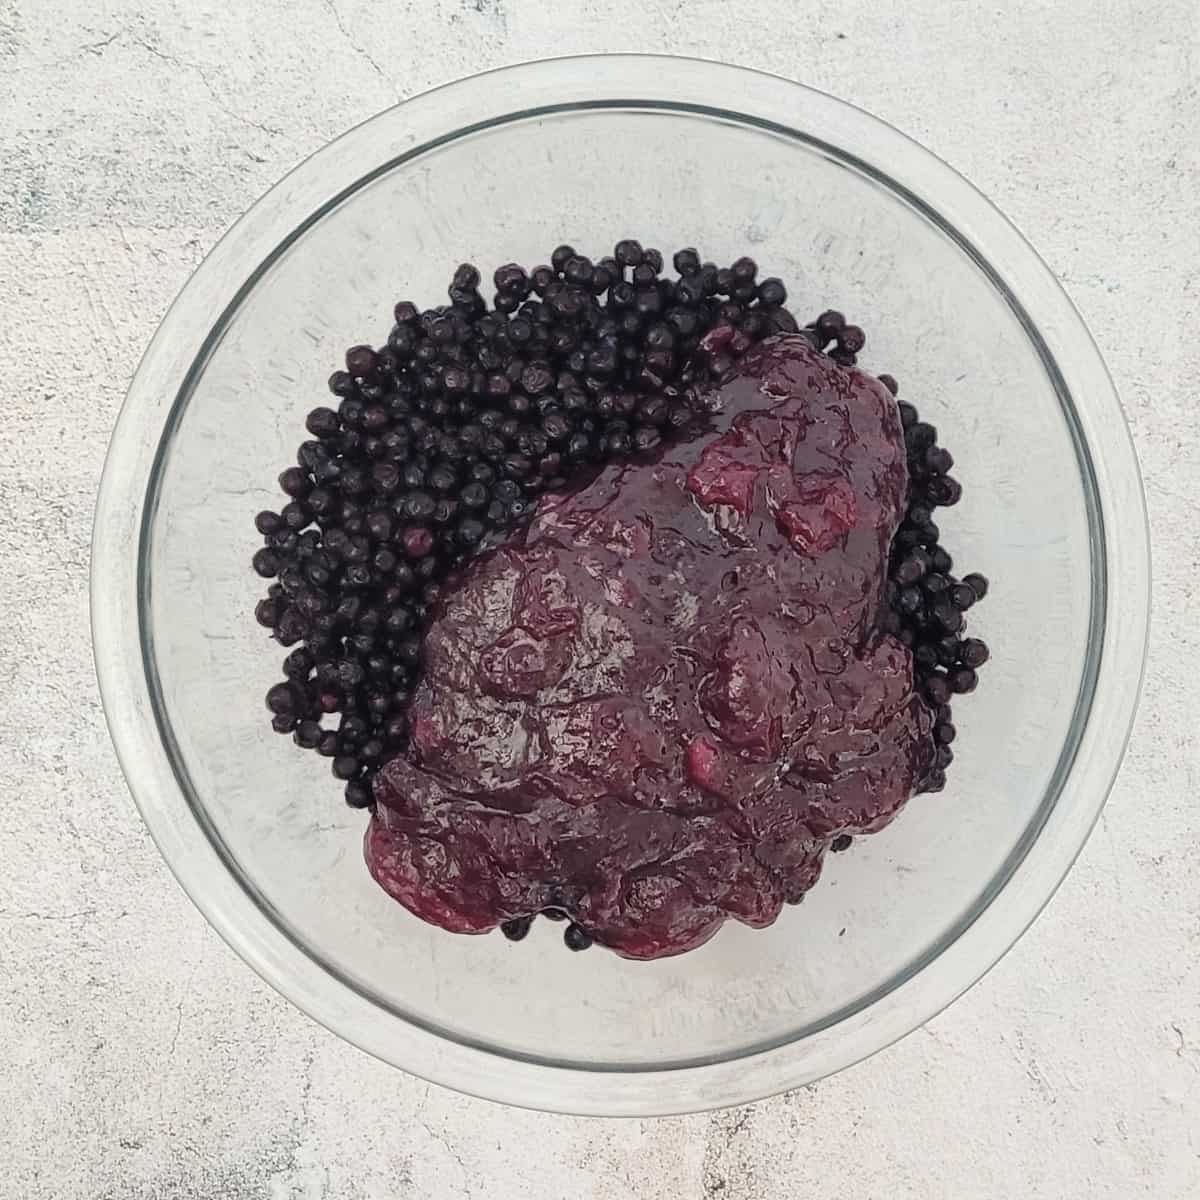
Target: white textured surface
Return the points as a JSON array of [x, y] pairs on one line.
[[138, 1058]]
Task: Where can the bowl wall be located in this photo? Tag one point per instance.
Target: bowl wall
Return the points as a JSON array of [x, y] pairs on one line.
[[270, 845]]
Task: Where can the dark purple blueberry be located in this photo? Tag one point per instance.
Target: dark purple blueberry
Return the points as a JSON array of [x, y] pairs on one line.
[[973, 653], [385, 478], [511, 279], [307, 735], [358, 794], [578, 269], [942, 562], [266, 563], [346, 766], [419, 506], [466, 278], [852, 339], [963, 681], [576, 937], [516, 929], [938, 460], [947, 648], [925, 656], [361, 361], [830, 323], [341, 383], [628, 253], [978, 584], [375, 419], [944, 490], [919, 437], [772, 292], [299, 664], [617, 444], [913, 567], [646, 438], [948, 617], [937, 689], [323, 423], [266, 613], [686, 261], [962, 596], [690, 291], [284, 698]]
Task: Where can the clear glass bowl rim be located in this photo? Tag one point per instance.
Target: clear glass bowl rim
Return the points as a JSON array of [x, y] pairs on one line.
[[175, 360]]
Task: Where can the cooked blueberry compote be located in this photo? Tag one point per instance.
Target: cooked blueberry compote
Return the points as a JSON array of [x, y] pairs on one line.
[[627, 597]]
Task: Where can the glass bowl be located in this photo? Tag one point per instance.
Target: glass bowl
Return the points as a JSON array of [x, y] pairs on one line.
[[676, 152]]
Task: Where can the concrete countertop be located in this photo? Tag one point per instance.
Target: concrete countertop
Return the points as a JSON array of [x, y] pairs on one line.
[[138, 1057]]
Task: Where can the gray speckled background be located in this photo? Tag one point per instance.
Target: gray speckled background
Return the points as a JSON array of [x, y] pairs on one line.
[[139, 1058]]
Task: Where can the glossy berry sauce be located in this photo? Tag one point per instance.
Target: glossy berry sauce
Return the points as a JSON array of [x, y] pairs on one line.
[[656, 705]]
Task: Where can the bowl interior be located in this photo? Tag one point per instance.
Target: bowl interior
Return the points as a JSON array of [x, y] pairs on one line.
[[841, 237]]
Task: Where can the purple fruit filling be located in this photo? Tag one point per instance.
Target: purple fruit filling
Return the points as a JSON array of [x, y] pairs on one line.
[[656, 705]]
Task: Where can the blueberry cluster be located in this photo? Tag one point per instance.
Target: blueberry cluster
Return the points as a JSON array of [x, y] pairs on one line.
[[444, 438], [927, 604]]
